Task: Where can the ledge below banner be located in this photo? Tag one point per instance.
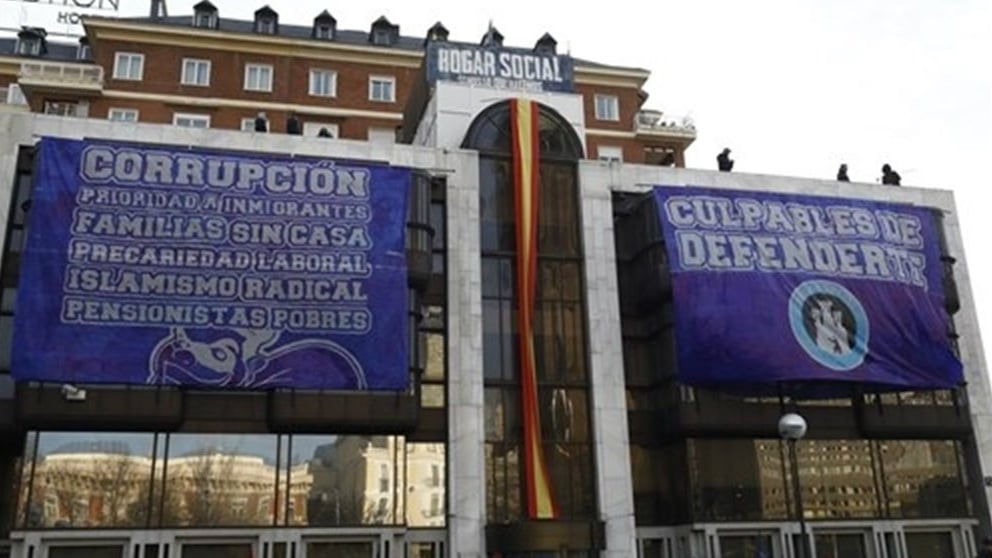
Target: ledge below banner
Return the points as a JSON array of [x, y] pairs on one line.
[[545, 536]]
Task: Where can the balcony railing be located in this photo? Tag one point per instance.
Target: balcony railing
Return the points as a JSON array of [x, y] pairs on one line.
[[61, 74], [658, 123]]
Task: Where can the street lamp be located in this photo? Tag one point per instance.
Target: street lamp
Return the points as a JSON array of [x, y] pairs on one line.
[[792, 428]]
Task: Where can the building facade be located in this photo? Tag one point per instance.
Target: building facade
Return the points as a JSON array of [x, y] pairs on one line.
[[566, 432], [204, 70]]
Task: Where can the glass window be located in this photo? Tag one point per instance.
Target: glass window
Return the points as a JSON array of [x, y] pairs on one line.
[[746, 546], [191, 120], [341, 480], [343, 549], [923, 478], [425, 486], [196, 72], [83, 52], [607, 107], [258, 77], [323, 32], [204, 19], [29, 47], [88, 480], [312, 129], [837, 479], [323, 83], [382, 88], [129, 66], [937, 544], [248, 124], [737, 480], [86, 551], [217, 550], [122, 115], [266, 25], [219, 480], [837, 545]]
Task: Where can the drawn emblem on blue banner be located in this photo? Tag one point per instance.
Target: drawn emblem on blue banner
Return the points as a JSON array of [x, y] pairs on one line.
[[830, 324]]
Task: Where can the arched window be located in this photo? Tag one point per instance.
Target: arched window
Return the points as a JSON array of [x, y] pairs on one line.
[[490, 134], [559, 318]]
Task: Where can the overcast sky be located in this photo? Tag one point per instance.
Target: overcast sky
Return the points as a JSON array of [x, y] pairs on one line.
[[794, 87]]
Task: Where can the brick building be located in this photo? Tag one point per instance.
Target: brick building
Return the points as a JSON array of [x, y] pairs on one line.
[[204, 70]]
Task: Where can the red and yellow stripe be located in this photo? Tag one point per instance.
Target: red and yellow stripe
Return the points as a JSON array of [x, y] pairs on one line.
[[526, 160]]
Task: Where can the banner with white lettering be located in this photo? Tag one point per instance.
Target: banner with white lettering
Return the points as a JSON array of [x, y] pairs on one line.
[[808, 291], [161, 265], [499, 68]]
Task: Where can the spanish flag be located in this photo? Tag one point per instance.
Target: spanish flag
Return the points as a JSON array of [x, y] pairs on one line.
[[526, 167]]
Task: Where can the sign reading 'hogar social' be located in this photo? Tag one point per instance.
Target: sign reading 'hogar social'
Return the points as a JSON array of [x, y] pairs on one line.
[[150, 265], [772, 288], [499, 68]]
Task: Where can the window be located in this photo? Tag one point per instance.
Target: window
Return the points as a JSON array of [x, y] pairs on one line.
[[122, 115], [266, 25], [312, 129], [29, 47], [191, 120], [323, 32], [196, 72], [607, 107], [205, 19], [607, 153], [323, 83], [248, 124], [128, 65], [382, 88], [83, 52], [383, 478], [258, 77], [62, 108], [381, 37]]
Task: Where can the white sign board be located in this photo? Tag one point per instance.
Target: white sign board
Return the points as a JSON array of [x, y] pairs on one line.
[[58, 17]]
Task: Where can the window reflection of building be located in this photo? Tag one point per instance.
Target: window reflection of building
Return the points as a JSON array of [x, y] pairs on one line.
[[359, 480]]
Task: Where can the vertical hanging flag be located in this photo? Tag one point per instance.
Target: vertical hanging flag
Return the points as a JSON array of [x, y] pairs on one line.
[[526, 160]]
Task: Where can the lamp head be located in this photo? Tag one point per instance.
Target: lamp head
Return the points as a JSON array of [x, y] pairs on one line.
[[792, 426]]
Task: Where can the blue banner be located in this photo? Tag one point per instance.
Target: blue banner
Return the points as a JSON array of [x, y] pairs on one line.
[[772, 289], [160, 265], [499, 68]]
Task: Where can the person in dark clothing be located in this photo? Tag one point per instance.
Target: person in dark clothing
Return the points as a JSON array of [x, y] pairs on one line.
[[842, 173], [293, 126], [261, 123], [723, 160], [889, 176], [986, 550], [324, 133]]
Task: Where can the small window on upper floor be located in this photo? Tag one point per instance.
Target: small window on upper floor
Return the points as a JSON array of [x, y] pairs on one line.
[[29, 46], [129, 66], [323, 32], [382, 89], [195, 72], [266, 26], [323, 83], [122, 115], [607, 107], [205, 20], [381, 37], [258, 77]]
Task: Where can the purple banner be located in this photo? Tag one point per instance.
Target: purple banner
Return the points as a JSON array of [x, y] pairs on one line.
[[772, 289], [161, 265]]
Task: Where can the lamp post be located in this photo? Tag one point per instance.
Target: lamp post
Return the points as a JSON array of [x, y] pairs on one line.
[[792, 428]]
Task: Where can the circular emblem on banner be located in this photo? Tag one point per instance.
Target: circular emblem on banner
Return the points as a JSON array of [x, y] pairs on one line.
[[829, 323]]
